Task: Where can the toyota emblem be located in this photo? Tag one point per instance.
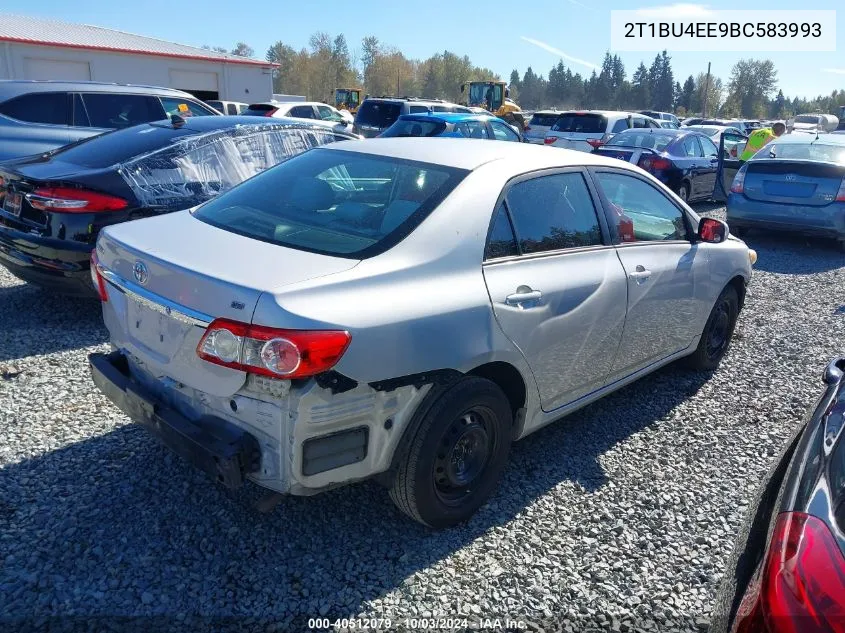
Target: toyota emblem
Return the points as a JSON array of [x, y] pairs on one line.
[[141, 273]]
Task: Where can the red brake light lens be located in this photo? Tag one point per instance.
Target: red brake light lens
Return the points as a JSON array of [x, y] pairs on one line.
[[595, 143], [840, 196], [549, 140], [271, 112], [97, 278], [802, 588], [273, 352], [738, 185], [70, 200]]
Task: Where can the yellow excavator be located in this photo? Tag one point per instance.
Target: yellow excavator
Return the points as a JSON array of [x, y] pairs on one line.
[[347, 99], [494, 97]]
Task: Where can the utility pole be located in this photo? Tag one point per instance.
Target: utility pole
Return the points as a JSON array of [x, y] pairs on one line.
[[706, 89]]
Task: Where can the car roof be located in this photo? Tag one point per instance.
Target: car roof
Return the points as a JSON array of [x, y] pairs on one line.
[[823, 139], [15, 87], [470, 154], [448, 117]]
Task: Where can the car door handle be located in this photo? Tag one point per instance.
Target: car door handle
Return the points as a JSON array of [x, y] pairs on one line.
[[518, 298], [640, 274]]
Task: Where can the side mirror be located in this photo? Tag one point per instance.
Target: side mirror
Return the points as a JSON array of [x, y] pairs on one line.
[[712, 231]]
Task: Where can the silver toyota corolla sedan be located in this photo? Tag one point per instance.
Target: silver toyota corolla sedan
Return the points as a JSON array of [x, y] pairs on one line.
[[405, 308]]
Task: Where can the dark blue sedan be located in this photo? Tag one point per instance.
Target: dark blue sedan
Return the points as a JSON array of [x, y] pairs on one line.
[[480, 126], [795, 183], [683, 160]]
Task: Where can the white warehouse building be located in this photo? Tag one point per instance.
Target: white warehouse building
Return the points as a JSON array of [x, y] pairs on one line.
[[38, 48]]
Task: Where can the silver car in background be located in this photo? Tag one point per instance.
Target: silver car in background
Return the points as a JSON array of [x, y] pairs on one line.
[[406, 308]]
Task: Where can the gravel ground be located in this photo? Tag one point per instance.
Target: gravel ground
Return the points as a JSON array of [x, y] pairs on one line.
[[619, 518]]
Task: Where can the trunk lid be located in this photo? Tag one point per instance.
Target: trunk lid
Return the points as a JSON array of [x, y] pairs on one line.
[[796, 182], [172, 274]]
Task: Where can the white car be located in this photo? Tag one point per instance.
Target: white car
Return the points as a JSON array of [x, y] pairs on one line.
[[585, 130], [311, 110], [231, 108], [733, 145], [539, 124]]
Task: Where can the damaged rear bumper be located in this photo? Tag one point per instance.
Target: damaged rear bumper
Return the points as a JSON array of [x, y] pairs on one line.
[[215, 446]]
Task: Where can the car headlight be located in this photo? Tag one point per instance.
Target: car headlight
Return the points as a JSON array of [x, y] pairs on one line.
[[752, 256]]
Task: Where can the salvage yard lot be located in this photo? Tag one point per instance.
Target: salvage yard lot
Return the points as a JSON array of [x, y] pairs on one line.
[[621, 516]]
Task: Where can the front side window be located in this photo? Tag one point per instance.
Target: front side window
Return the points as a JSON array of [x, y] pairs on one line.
[[183, 107], [553, 212], [502, 132], [107, 110], [643, 213], [39, 107], [334, 202]]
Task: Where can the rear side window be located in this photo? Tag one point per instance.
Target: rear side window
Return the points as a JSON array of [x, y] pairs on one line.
[[380, 114], [216, 104], [472, 129], [547, 120], [644, 139], [302, 112], [39, 107], [691, 147], [231, 109], [335, 203], [415, 127], [581, 123], [119, 110], [502, 241], [620, 126], [553, 212], [417, 109]]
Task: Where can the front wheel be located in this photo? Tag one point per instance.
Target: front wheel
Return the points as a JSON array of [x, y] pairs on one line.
[[457, 454], [718, 331]]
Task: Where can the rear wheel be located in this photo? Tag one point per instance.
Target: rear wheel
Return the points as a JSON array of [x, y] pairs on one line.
[[456, 456], [683, 192], [716, 337]]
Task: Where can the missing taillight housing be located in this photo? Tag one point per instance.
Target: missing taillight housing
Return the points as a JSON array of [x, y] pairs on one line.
[[274, 352], [71, 200], [97, 278], [802, 587]]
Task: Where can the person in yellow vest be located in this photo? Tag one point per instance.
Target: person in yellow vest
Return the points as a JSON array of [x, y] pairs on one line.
[[760, 138]]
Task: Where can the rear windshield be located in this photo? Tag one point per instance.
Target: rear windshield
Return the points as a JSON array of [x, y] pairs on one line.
[[646, 139], [581, 123], [337, 203], [380, 114], [544, 119], [802, 151], [414, 127], [115, 147]]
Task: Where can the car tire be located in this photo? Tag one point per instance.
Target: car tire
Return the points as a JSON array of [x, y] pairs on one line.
[[716, 337], [456, 456], [683, 192]]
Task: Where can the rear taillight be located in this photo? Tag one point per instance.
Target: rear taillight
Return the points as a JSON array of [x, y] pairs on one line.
[[840, 196], [549, 140], [802, 588], [70, 200], [652, 163], [738, 185], [270, 351], [595, 143], [271, 112], [97, 278]]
